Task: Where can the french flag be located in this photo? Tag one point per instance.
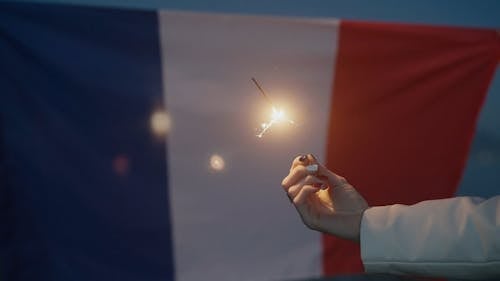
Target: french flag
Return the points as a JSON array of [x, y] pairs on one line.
[[128, 146]]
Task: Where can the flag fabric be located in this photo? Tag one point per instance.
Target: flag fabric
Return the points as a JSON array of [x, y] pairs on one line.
[[405, 104], [129, 149], [77, 89]]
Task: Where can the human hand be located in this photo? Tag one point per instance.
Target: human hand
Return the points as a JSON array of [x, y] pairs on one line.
[[325, 201]]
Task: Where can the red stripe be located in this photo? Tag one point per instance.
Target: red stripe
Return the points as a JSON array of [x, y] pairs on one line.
[[406, 99]]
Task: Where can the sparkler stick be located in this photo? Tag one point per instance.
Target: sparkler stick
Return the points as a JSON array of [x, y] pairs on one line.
[[262, 92]]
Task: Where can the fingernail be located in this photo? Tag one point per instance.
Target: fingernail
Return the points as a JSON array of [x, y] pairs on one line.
[[303, 158], [312, 156], [312, 169]]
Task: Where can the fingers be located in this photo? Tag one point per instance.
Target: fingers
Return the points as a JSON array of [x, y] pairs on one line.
[[301, 167], [295, 175], [299, 192], [303, 194], [323, 172], [304, 160], [309, 180], [304, 173], [333, 179]]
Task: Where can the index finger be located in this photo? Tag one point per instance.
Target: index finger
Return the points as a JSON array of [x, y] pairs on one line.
[[309, 159], [294, 176]]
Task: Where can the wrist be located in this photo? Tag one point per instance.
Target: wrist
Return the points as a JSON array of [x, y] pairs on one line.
[[359, 221], [345, 225]]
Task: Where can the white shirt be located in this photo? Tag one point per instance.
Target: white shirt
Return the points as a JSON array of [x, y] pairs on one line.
[[453, 238]]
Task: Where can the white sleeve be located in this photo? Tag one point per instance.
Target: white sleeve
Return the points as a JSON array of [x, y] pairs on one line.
[[453, 238]]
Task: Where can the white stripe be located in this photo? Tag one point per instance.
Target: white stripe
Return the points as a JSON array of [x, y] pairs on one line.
[[238, 224]]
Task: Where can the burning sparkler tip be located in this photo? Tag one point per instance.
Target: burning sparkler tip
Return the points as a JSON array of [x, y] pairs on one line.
[[277, 115]]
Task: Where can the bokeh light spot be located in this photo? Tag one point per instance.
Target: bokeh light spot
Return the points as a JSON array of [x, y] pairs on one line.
[[160, 123], [217, 163], [121, 165]]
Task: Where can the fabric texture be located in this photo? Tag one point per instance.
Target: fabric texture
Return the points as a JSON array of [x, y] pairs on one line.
[[405, 103], [453, 238], [85, 181], [90, 192]]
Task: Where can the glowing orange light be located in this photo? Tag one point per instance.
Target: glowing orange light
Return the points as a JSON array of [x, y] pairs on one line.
[[277, 116]]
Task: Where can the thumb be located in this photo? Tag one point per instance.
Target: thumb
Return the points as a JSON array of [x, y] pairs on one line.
[[333, 179]]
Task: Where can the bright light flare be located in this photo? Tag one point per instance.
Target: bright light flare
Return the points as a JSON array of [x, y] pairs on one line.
[[277, 116]]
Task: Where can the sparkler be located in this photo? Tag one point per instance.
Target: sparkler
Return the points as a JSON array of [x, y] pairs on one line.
[[262, 92], [277, 116]]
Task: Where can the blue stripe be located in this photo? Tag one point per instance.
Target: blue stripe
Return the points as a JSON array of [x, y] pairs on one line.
[[77, 88]]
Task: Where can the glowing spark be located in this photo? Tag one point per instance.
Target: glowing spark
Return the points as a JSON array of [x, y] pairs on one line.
[[277, 116]]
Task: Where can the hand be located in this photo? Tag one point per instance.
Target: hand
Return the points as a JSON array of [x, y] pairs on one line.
[[325, 201]]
